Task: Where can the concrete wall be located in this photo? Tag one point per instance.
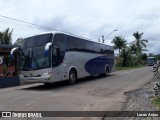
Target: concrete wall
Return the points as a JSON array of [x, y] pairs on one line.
[[9, 81]]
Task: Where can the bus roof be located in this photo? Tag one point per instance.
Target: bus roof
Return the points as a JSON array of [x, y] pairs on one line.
[[70, 34], [150, 57]]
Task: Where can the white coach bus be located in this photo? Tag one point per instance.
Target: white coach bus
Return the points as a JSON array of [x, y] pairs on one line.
[[151, 61], [56, 56]]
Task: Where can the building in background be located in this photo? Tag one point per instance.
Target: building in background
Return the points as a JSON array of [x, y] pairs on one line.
[[8, 67]]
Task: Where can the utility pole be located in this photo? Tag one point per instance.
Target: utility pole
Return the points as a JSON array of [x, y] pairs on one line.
[[108, 35], [102, 38]]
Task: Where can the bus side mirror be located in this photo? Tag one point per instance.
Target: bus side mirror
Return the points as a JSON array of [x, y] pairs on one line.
[[14, 50], [48, 45]]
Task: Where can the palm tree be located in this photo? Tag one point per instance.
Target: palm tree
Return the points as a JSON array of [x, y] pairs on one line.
[[133, 48], [119, 43], [126, 56], [6, 37], [140, 44]]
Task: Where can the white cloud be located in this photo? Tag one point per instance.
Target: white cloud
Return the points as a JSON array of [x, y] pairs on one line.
[[90, 18]]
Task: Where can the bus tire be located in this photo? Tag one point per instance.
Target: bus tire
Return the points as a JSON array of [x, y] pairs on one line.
[[72, 77], [106, 71]]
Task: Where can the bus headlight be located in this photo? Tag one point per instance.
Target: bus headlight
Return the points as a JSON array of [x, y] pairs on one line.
[[21, 76], [46, 74]]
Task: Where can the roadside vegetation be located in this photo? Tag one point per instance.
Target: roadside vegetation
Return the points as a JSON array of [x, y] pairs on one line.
[[131, 55], [5, 38], [156, 102]]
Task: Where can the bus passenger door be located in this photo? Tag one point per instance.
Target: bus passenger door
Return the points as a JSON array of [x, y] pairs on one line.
[[55, 63]]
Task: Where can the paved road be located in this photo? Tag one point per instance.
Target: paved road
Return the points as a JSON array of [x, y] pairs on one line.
[[89, 94]]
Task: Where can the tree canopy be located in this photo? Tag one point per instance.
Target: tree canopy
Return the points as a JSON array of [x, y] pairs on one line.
[[119, 42], [6, 37], [132, 53]]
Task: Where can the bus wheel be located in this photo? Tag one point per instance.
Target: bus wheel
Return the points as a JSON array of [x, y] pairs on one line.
[[72, 77], [106, 72]]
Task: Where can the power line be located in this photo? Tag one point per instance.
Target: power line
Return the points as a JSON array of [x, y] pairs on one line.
[[27, 22], [14, 23], [34, 24]]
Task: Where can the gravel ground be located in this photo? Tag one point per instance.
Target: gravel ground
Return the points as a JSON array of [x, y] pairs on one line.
[[140, 100]]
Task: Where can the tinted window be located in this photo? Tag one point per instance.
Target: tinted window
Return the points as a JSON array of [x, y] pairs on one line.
[[97, 47], [112, 52], [34, 59], [108, 47], [102, 48], [71, 43], [90, 46], [74, 43], [37, 40], [81, 44], [59, 39], [58, 52]]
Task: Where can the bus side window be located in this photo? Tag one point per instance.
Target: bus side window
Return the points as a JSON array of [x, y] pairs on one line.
[[59, 42]]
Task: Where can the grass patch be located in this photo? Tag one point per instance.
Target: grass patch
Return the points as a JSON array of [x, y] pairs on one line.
[[156, 102], [128, 68]]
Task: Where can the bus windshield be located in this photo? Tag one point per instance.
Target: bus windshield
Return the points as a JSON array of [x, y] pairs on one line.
[[33, 55], [34, 59], [151, 60]]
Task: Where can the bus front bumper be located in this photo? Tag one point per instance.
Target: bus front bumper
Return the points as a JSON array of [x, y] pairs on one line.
[[42, 79]]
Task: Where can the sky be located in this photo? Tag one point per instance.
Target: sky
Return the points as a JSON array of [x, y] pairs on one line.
[[88, 18]]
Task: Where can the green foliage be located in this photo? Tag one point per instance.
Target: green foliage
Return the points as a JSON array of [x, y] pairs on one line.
[[131, 55], [119, 43], [133, 48], [6, 37], [144, 56], [157, 56], [156, 102], [126, 57], [139, 44]]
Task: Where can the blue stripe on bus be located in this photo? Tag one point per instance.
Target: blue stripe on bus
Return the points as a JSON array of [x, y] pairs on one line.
[[97, 65]]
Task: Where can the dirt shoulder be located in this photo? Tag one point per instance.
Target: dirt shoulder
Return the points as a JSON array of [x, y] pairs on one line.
[[140, 100]]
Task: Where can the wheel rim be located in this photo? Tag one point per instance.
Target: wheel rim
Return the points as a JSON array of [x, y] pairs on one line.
[[72, 77]]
